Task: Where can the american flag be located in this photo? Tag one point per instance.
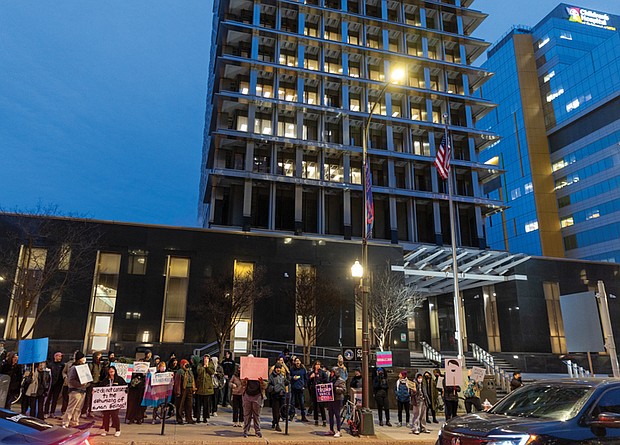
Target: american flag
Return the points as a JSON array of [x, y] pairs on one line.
[[442, 160]]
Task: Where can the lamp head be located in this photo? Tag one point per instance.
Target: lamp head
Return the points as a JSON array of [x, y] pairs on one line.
[[357, 271]]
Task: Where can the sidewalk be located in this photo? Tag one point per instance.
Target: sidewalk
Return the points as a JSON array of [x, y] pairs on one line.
[[220, 430]]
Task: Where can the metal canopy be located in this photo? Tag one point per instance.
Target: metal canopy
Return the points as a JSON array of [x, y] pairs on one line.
[[429, 268]]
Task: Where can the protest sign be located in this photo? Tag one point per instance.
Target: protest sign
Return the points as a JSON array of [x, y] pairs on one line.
[[84, 373], [162, 378], [454, 375], [124, 370], [477, 374], [325, 392], [141, 367], [109, 397], [254, 367], [384, 358], [32, 351]]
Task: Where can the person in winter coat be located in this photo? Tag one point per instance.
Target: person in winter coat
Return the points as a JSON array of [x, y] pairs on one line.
[[472, 394], [55, 385], [450, 399], [96, 371], [112, 379], [236, 391], [38, 388], [356, 380], [299, 381], [15, 372], [135, 394], [276, 387], [204, 388], [334, 407], [219, 380], [156, 395], [403, 397], [430, 388], [344, 373], [317, 376], [228, 365], [184, 388], [418, 402], [253, 397], [77, 393], [516, 381], [380, 386]]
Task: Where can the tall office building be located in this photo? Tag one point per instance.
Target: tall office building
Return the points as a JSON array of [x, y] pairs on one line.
[[558, 90], [291, 84]]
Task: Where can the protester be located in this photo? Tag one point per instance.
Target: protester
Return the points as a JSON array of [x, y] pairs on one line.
[[402, 390], [316, 377], [253, 397], [76, 391], [334, 407], [276, 388], [112, 379], [299, 381], [236, 391], [204, 389], [56, 384], [516, 381], [37, 389], [184, 388], [418, 402], [380, 386], [228, 365], [156, 395], [450, 399], [430, 388], [218, 383], [148, 357], [472, 394], [344, 373], [356, 381], [65, 387], [96, 371], [135, 393], [15, 372]]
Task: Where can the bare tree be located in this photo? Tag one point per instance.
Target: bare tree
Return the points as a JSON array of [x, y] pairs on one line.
[[391, 304], [227, 299], [45, 255], [314, 306]]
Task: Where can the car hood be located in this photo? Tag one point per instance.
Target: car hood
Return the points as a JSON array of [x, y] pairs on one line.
[[484, 424]]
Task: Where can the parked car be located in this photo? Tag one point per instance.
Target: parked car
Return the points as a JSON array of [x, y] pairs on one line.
[[554, 412], [19, 429]]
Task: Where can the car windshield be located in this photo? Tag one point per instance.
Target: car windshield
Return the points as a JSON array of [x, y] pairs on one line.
[[555, 402]]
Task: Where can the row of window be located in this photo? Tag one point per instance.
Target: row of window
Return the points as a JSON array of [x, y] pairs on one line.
[[593, 236], [587, 193], [591, 213], [586, 151], [585, 172]]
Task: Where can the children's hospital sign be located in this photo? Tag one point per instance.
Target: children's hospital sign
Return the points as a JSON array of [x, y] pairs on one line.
[[587, 17]]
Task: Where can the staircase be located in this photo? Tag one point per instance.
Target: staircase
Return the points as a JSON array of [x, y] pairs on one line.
[[418, 361]]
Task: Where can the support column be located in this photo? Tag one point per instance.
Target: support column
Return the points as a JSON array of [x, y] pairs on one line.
[[491, 319], [434, 323], [298, 209], [393, 221]]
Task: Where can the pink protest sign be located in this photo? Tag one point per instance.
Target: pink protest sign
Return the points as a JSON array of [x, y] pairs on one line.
[[325, 392], [384, 358], [254, 367]]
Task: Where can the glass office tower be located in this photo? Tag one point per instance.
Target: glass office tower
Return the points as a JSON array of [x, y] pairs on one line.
[[558, 88], [291, 84]]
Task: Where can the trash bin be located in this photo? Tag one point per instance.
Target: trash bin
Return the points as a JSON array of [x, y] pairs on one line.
[[367, 425], [4, 388], [488, 391]]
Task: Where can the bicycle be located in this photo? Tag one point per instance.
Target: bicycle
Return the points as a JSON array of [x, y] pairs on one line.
[[350, 415]]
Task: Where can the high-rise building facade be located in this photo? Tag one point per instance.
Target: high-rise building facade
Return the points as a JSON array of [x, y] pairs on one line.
[[291, 85], [558, 90]]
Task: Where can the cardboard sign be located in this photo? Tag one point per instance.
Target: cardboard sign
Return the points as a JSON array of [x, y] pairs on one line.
[[254, 367], [454, 375], [124, 370], [109, 397], [477, 374], [83, 373], [141, 367], [325, 392], [162, 378], [32, 351], [384, 359]]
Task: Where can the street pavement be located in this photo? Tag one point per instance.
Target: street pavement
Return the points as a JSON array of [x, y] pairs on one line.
[[220, 430]]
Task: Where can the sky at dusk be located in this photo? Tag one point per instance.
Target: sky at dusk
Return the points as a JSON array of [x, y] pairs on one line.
[[102, 103]]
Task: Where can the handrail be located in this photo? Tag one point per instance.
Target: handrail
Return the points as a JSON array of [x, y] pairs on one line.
[[262, 348], [502, 378], [575, 371], [211, 348], [430, 353]]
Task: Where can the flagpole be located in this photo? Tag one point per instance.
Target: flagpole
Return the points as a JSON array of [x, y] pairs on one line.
[[455, 266]]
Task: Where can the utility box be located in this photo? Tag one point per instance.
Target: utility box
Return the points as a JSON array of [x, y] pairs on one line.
[[367, 425], [488, 391]]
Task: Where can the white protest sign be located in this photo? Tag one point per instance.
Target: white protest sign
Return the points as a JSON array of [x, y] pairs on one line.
[[454, 375], [83, 373], [477, 374], [162, 378], [124, 370], [152, 370], [109, 397], [141, 367]]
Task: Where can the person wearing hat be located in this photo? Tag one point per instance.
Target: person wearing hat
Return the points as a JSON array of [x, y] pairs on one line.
[[77, 393], [419, 405], [276, 387], [380, 386], [184, 388], [403, 397], [204, 388], [334, 407]]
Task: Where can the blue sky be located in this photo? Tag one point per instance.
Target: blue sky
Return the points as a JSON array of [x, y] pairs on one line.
[[102, 103]]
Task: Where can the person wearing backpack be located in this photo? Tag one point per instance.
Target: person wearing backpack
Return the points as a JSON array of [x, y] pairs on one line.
[[253, 396], [403, 397]]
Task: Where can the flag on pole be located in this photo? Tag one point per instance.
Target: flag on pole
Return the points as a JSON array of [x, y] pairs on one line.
[[370, 207], [442, 159]]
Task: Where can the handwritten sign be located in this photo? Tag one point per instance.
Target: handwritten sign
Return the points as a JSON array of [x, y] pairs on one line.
[[32, 351], [254, 367], [325, 392], [83, 373], [162, 378], [477, 374], [109, 397], [141, 367], [454, 375], [124, 370], [384, 358]]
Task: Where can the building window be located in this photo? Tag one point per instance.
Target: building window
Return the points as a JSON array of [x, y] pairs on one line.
[[242, 123], [543, 42], [531, 226], [137, 262], [287, 129], [64, 257], [241, 338], [566, 35], [529, 188], [175, 300], [514, 194], [262, 125], [567, 222], [555, 94]]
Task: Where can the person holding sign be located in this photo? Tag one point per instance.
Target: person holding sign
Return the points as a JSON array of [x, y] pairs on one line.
[[112, 379], [317, 376], [472, 394], [77, 382], [334, 406]]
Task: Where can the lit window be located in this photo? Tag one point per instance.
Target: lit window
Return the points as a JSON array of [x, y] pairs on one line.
[[514, 194], [567, 222], [529, 188], [592, 214], [572, 105], [543, 42], [531, 226], [549, 76], [566, 35], [554, 95]]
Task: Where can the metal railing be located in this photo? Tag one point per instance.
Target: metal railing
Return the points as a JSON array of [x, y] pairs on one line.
[[502, 378], [430, 353], [575, 371], [211, 348], [264, 348]]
